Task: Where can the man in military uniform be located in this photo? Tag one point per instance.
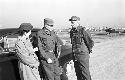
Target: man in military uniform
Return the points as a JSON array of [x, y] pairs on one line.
[[50, 47], [81, 46]]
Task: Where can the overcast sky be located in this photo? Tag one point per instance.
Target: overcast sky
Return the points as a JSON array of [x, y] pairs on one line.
[[91, 12]]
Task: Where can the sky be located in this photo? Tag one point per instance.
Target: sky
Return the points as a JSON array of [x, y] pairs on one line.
[[94, 13]]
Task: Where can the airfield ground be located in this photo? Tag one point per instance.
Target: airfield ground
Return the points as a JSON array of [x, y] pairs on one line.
[[107, 62]]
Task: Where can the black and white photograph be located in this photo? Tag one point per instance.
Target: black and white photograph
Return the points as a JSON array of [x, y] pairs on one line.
[[62, 39]]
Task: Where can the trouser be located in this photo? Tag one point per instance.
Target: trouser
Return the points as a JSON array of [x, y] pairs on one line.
[[42, 72], [81, 65], [52, 70]]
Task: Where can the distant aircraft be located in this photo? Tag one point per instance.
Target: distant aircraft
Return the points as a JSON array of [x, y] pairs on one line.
[[111, 30]]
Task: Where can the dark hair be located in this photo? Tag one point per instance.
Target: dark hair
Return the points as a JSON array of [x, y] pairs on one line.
[[21, 32]]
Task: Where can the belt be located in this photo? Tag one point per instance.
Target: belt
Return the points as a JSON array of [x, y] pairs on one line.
[[50, 51]]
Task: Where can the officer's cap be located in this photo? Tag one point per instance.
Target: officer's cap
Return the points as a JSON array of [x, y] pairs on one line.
[[74, 18], [48, 21], [25, 26]]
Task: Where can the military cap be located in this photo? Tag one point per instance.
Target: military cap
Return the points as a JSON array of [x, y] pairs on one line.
[[74, 18], [48, 21], [25, 26]]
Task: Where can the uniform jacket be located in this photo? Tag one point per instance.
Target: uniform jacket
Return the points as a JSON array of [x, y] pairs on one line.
[[28, 61], [49, 44], [77, 39]]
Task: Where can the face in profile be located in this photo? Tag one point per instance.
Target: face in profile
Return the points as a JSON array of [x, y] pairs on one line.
[[75, 23], [50, 27]]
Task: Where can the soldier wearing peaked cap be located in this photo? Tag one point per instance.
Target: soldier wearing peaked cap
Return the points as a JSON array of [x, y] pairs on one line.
[[50, 47], [82, 44], [28, 60], [74, 18], [48, 21]]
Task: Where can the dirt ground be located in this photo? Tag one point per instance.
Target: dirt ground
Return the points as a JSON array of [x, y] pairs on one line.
[[107, 62]]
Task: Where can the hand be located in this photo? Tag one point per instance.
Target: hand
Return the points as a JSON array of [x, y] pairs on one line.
[[64, 42], [35, 49], [49, 60]]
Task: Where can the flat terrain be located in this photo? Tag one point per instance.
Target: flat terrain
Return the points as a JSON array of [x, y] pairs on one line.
[[107, 62]]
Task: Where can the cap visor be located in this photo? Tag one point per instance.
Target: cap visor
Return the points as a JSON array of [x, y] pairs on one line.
[[51, 25], [72, 20]]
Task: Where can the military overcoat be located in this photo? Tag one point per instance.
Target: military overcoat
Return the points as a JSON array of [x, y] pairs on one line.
[[28, 61]]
